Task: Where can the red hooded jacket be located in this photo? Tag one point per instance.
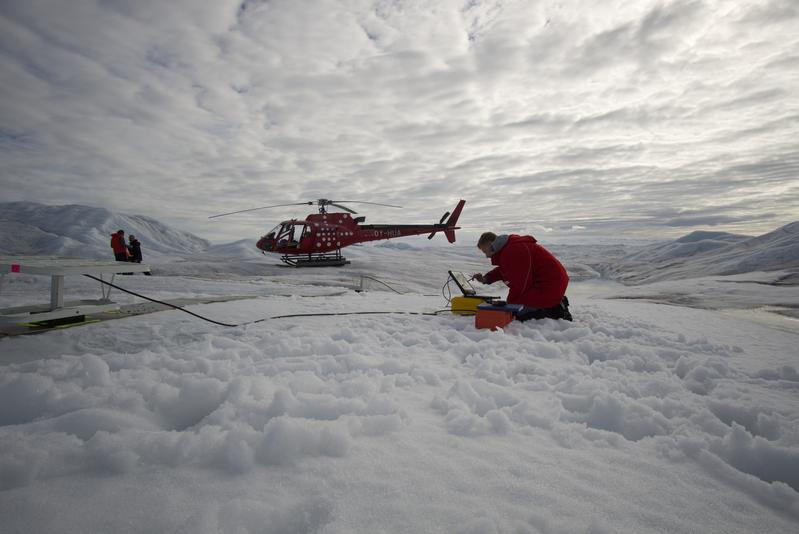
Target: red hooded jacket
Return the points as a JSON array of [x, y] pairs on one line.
[[535, 277], [118, 243]]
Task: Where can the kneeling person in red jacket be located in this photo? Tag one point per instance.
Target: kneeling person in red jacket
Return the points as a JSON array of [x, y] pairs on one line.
[[535, 278]]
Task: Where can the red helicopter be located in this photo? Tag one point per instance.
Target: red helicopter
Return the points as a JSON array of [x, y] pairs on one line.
[[318, 240]]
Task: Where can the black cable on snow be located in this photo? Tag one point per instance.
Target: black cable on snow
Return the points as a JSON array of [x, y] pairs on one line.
[[381, 282], [173, 306], [320, 314]]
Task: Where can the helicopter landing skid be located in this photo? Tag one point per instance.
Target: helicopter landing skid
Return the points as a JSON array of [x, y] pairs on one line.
[[315, 260]]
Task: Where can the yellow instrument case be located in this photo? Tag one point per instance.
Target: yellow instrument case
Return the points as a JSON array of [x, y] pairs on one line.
[[465, 305]]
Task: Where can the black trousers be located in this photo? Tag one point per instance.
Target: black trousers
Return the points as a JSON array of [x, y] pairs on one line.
[[561, 311]]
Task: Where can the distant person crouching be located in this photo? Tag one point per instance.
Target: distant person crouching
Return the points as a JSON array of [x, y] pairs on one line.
[[134, 248], [535, 278], [118, 246]]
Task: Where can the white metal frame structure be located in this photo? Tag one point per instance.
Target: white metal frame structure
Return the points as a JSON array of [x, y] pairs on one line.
[[57, 269]]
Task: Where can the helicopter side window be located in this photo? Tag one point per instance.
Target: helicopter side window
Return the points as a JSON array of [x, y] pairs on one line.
[[301, 231]]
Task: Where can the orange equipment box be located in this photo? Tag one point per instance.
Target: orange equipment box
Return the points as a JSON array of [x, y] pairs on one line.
[[492, 319], [495, 315]]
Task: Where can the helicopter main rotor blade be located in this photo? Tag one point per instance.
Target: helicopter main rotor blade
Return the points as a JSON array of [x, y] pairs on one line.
[[365, 202], [321, 202], [345, 208], [262, 208]]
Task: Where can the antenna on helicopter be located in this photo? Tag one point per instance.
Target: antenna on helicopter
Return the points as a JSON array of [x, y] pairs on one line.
[[322, 203]]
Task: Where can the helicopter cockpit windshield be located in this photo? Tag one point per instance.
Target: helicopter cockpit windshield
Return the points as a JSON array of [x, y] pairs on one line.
[[273, 232]]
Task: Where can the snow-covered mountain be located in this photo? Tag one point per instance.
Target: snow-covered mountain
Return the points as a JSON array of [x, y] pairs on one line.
[[35, 229], [84, 231], [709, 253]]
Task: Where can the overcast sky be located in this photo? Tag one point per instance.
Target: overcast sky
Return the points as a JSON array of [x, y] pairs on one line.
[[564, 119]]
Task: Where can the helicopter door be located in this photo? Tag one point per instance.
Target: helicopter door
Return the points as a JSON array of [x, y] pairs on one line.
[[291, 234]]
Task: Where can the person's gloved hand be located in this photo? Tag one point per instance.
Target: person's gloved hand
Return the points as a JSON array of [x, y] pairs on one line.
[[479, 277]]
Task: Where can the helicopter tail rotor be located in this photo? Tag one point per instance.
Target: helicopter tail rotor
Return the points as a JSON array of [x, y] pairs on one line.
[[449, 227]]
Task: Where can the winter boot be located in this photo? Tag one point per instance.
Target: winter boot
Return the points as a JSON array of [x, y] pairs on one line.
[[564, 309], [561, 311]]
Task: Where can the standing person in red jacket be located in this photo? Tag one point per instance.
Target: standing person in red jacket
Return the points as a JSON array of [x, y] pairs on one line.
[[118, 246], [535, 278]]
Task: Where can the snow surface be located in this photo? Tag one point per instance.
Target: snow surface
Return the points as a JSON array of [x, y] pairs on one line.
[[643, 415]]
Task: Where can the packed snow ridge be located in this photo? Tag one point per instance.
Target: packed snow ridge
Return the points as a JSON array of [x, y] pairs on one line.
[[637, 417]]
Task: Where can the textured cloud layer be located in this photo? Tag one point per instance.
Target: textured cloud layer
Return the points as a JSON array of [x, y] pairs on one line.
[[646, 118]]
